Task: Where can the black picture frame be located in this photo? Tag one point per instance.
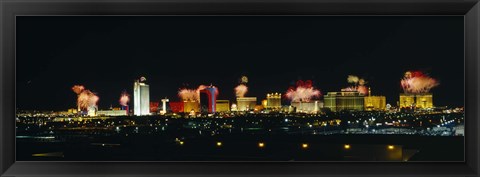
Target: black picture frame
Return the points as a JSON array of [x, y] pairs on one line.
[[11, 8]]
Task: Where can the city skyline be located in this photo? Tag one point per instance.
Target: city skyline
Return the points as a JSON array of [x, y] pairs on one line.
[[106, 54]]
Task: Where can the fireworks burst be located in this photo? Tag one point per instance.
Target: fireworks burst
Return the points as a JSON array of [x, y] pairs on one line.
[[85, 98], [124, 99], [192, 94], [241, 90], [417, 82], [353, 79], [359, 84], [304, 92]]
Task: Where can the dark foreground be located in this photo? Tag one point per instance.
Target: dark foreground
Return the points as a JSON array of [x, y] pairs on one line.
[[141, 147]]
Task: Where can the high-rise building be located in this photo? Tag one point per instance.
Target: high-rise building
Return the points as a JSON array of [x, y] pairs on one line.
[[141, 98], [208, 99], [246, 103], [344, 101], [274, 101]]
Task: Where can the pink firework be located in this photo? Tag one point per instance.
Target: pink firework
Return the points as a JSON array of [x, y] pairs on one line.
[[124, 99], [304, 92], [192, 94], [85, 98], [188, 94], [417, 82], [241, 90]]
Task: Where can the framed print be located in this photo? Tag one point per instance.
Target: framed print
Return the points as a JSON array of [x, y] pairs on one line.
[[239, 88]]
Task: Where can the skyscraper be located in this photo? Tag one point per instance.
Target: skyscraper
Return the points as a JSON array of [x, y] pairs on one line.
[[208, 99], [141, 97]]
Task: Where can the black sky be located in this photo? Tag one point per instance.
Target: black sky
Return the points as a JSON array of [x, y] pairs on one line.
[[107, 53]]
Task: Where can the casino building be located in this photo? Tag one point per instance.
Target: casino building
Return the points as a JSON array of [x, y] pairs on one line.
[[208, 99], [307, 107], [274, 101], [246, 103], [141, 97], [223, 106], [375, 103], [344, 101], [419, 100]]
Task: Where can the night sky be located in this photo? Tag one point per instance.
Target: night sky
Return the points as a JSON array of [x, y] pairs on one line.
[[106, 54]]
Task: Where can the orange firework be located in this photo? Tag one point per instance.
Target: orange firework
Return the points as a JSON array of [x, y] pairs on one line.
[[85, 98]]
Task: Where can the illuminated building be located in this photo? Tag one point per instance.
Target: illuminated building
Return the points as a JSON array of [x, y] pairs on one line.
[[223, 106], [246, 103], [258, 108], [375, 103], [126, 108], [406, 100], [72, 111], [419, 100], [189, 106], [264, 103], [307, 107], [92, 111], [208, 99], [234, 107], [177, 107], [112, 112], [154, 107], [164, 106], [344, 101], [274, 101], [141, 98], [424, 100]]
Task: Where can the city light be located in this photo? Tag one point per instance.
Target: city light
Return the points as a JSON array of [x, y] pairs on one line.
[[346, 146], [304, 145], [261, 145], [219, 144], [391, 147]]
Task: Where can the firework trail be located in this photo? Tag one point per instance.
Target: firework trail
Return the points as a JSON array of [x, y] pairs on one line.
[[124, 99], [304, 92], [193, 94], [85, 98], [417, 82], [241, 90]]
